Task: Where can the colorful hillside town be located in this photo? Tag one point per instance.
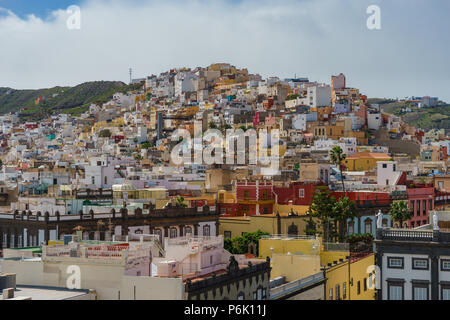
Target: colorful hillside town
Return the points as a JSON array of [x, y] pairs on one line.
[[214, 183]]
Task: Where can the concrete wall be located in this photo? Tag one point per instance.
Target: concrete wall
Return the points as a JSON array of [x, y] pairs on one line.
[[109, 281], [294, 267], [315, 293]]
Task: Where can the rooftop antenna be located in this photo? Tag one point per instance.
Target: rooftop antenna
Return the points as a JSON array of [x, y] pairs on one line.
[[131, 73]]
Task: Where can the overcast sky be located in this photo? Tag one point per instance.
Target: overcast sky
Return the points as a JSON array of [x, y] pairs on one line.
[[409, 56]]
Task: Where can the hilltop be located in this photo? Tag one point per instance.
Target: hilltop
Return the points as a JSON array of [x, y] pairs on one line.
[[73, 100]]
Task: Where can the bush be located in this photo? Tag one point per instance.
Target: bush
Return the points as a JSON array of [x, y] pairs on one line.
[[105, 133], [239, 245]]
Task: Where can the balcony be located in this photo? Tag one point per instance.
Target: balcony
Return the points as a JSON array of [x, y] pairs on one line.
[[411, 235]]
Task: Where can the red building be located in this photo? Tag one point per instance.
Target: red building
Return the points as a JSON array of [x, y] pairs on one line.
[[118, 138], [298, 193], [31, 125], [254, 198], [421, 201]]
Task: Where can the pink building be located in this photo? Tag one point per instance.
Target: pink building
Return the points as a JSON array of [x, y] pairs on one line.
[[421, 201]]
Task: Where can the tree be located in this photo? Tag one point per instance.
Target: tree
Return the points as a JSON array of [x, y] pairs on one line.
[[239, 245], [105, 133], [322, 208], [146, 145], [212, 125], [336, 157], [180, 202], [400, 212], [344, 209]]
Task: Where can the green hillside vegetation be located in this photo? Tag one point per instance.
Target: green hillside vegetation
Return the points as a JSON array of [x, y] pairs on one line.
[[425, 118], [73, 100]]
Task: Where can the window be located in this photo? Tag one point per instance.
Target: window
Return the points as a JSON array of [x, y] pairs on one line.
[[206, 230], [445, 291], [365, 284], [368, 226], [173, 233], [187, 230], [344, 290], [264, 294], [211, 259], [419, 264], [445, 265], [301, 193], [359, 287], [338, 292], [264, 195], [158, 232], [395, 263], [395, 291], [441, 185], [241, 296], [331, 294], [384, 165], [246, 195], [227, 234], [260, 293], [351, 227], [420, 291]]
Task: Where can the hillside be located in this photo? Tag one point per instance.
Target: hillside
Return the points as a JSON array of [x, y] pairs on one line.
[[425, 118], [74, 100]]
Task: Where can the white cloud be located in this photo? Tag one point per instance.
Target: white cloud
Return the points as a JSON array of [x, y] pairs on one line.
[[307, 38]]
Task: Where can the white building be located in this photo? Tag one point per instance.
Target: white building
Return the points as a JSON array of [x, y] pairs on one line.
[[374, 120], [99, 174], [387, 173], [319, 96]]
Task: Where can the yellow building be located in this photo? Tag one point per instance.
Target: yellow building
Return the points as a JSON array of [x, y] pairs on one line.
[[350, 281], [231, 227], [364, 161], [299, 257], [127, 191]]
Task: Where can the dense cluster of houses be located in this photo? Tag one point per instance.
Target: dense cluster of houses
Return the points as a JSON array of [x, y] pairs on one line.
[[109, 172]]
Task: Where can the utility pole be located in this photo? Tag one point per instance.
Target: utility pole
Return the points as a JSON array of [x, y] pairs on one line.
[[131, 73]]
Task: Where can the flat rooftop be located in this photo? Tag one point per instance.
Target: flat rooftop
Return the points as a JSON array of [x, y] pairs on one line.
[[50, 293]]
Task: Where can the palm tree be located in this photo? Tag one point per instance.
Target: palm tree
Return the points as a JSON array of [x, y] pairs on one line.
[[400, 212], [336, 157]]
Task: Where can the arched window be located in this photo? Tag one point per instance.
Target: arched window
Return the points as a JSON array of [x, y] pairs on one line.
[[351, 227], [368, 225], [206, 230], [187, 230], [173, 233]]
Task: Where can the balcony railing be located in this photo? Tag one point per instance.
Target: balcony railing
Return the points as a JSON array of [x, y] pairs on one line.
[[406, 235], [285, 289]]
